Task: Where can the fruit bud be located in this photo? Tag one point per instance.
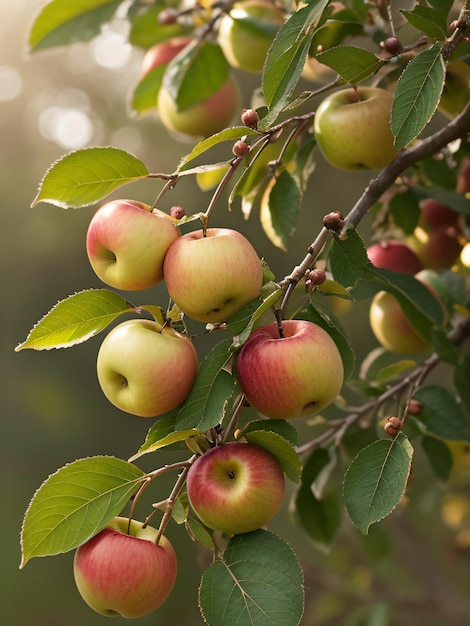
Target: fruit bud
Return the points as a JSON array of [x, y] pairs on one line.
[[240, 148], [177, 212], [392, 426], [414, 407], [333, 221], [392, 45], [316, 277], [250, 118], [167, 17]]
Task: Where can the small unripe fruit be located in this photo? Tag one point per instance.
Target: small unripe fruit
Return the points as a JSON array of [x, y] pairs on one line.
[[250, 118], [392, 45], [392, 426], [333, 221], [240, 148], [316, 277], [414, 407]]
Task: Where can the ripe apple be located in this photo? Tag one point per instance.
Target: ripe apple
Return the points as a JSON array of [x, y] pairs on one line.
[[144, 369], [247, 31], [435, 249], [293, 376], [212, 275], [162, 53], [394, 255], [126, 242], [436, 215], [352, 127], [122, 571], [236, 487], [456, 93]]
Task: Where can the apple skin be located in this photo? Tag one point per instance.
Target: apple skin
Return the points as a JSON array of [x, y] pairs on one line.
[[212, 277], [125, 574], [236, 487], [247, 31], [394, 255], [145, 370], [295, 376], [436, 215], [435, 249], [355, 135], [162, 53], [126, 242], [456, 93]]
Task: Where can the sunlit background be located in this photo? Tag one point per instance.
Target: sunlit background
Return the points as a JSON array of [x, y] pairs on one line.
[[53, 412]]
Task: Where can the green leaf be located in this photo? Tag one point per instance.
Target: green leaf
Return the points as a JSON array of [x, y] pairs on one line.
[[83, 177], [427, 20], [348, 259], [62, 22], [209, 398], [144, 97], [257, 581], [186, 77], [75, 503], [146, 31], [439, 457], [280, 214], [461, 380], [255, 310], [442, 416], [417, 95], [162, 434], [455, 201], [318, 512], [280, 448], [281, 427], [376, 480], [353, 64], [286, 57], [76, 319], [405, 211]]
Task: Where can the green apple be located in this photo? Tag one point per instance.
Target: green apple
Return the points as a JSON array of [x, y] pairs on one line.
[[296, 375], [121, 571], [456, 93], [211, 275], [236, 487], [144, 369], [126, 242], [247, 31], [394, 255], [352, 127]]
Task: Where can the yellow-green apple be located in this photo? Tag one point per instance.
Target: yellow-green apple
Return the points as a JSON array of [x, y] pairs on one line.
[[352, 127], [394, 255], [126, 242], [456, 93], [144, 369], [295, 375], [211, 275], [435, 249], [247, 31], [436, 215], [122, 571], [236, 487]]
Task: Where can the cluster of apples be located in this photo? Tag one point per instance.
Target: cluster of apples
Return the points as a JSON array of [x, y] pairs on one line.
[[128, 569], [244, 35], [437, 243]]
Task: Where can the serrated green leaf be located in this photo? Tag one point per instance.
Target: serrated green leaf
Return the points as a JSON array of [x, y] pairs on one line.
[[442, 416], [417, 95], [62, 22], [280, 448], [76, 502], [209, 398], [353, 64], [83, 177], [405, 211], [257, 581], [76, 319], [200, 532], [427, 20], [348, 259], [376, 480]]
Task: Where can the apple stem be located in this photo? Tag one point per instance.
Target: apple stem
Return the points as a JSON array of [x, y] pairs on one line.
[[233, 420]]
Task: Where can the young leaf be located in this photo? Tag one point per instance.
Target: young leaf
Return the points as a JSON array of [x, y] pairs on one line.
[[75, 503], [417, 95], [62, 22], [278, 447], [209, 398], [76, 319], [442, 415], [353, 64], [83, 177], [376, 480], [258, 580]]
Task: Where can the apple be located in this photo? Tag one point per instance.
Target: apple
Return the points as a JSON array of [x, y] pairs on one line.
[[144, 369], [211, 275], [236, 487], [394, 255], [463, 179], [456, 93], [162, 53], [352, 127], [293, 376], [435, 249], [247, 31], [126, 242], [122, 571], [436, 215]]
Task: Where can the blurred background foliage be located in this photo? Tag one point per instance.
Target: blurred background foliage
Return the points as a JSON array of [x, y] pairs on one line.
[[412, 569]]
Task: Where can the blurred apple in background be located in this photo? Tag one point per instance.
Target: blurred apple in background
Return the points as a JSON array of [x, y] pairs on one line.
[[394, 255], [456, 93]]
